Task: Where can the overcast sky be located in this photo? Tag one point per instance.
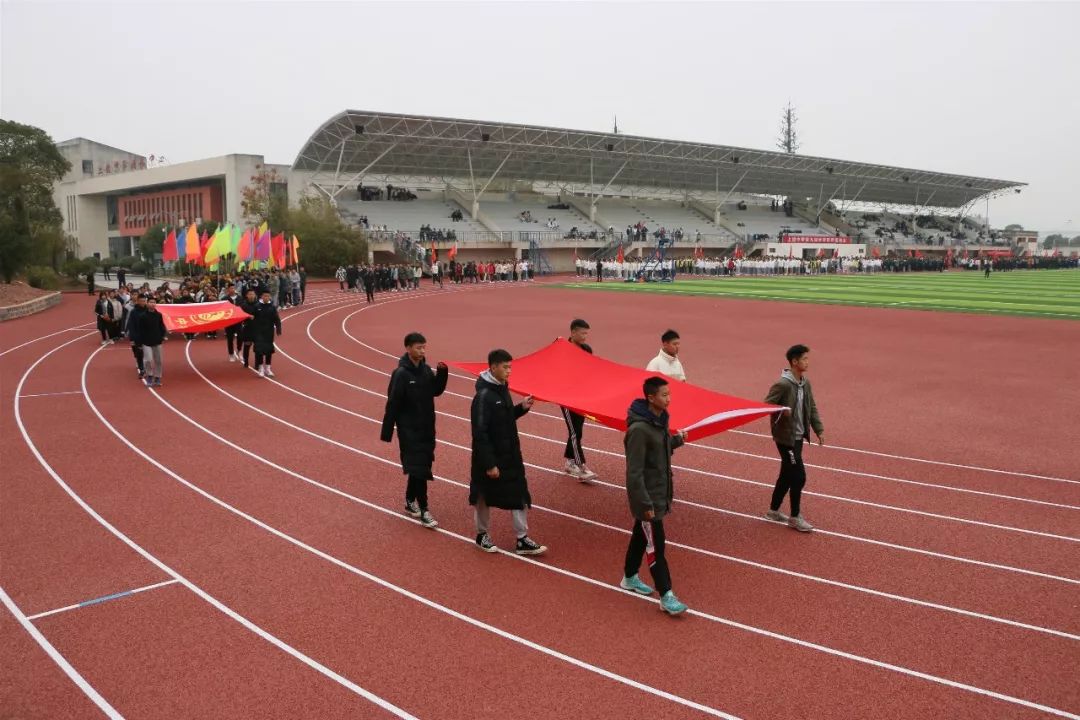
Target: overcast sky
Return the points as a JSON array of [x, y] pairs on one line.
[[988, 89]]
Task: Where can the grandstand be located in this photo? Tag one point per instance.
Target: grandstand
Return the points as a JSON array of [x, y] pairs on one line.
[[600, 183]]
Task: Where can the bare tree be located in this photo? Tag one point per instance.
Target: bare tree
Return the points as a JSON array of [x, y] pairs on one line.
[[789, 138]]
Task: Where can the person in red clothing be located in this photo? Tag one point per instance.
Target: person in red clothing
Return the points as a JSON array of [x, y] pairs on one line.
[[491, 271]]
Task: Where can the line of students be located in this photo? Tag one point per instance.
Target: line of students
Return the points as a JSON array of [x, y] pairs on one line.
[[497, 473]]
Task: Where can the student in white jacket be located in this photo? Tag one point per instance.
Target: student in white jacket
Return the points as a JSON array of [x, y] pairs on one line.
[[667, 361]]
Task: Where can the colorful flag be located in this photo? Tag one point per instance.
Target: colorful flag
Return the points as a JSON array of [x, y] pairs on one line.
[[191, 245], [262, 245], [277, 249], [245, 248], [295, 250], [168, 247], [452, 253], [209, 247], [434, 253]]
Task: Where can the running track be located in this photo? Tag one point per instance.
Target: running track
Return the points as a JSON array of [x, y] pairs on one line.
[[259, 521]]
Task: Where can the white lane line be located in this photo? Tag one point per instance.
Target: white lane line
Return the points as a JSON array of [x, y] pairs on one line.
[[839, 498], [592, 581], [43, 337], [390, 586], [103, 598], [976, 468], [60, 660], [51, 394], [756, 518], [691, 548], [214, 602]]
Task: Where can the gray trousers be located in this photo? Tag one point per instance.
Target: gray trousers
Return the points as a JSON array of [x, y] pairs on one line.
[[483, 519], [152, 364]]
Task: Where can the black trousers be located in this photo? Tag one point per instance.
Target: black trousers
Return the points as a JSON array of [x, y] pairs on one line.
[[247, 352], [575, 424], [369, 288], [136, 350], [230, 339], [416, 489], [639, 540], [263, 358], [792, 477]]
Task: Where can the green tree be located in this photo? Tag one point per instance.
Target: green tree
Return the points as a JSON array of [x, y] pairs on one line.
[[1052, 241], [325, 241], [266, 199], [151, 241], [1013, 226], [30, 165]]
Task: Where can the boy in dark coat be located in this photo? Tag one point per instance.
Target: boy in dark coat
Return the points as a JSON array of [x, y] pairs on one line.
[[789, 430], [247, 328], [410, 405], [498, 470], [151, 334], [265, 320], [649, 444]]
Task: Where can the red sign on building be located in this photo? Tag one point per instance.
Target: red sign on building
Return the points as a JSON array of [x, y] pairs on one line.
[[817, 239]]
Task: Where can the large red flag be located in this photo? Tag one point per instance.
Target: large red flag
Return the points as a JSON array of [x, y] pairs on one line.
[[200, 317], [560, 373], [619, 256], [875, 251], [277, 249]]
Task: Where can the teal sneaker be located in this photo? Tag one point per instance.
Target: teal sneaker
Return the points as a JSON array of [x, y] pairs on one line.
[[634, 583], [671, 604]]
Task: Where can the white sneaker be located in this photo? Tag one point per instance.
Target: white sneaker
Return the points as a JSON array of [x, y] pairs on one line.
[[799, 524], [104, 343], [232, 358], [777, 516], [268, 372], [259, 371], [586, 473], [573, 470]]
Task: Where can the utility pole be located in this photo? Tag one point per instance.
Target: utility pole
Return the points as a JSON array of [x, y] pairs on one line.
[[789, 138]]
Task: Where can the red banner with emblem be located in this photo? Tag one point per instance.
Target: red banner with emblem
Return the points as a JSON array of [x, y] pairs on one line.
[[200, 317], [818, 239]]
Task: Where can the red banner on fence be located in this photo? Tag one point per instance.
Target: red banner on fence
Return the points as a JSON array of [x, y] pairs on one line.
[[819, 239]]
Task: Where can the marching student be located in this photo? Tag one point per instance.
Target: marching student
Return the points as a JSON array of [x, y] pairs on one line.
[[265, 320], [575, 424], [133, 324], [649, 445], [410, 405], [247, 327], [667, 360], [151, 334], [498, 470], [232, 340], [789, 429]]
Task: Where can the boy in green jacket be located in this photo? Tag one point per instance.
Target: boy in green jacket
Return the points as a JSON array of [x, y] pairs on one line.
[[789, 429], [649, 444]]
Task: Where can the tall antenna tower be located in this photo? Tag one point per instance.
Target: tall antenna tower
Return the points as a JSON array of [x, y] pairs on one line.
[[789, 138]]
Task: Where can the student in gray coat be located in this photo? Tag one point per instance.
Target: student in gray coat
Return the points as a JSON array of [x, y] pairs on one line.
[[649, 444], [789, 430]]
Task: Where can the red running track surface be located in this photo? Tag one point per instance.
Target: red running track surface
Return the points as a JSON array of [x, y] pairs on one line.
[[295, 588]]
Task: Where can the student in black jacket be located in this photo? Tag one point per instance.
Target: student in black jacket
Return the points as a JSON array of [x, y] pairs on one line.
[[232, 343], [410, 405], [265, 320], [498, 470], [247, 328], [133, 325], [152, 333]]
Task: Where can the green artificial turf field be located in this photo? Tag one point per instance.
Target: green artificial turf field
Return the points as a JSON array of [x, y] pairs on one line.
[[1031, 293]]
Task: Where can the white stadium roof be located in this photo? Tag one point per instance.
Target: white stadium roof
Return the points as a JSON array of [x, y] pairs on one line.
[[357, 142]]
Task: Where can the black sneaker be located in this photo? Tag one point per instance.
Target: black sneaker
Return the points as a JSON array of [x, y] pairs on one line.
[[427, 520], [483, 541], [528, 546], [411, 508]]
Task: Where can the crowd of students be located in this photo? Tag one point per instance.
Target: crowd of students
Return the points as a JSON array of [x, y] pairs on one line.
[[401, 277], [497, 468]]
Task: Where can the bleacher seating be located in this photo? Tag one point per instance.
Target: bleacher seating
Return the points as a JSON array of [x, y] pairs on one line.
[[408, 215], [758, 219], [504, 210], [672, 216]]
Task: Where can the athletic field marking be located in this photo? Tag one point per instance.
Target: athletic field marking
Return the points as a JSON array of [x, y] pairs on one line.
[[214, 602], [43, 337], [713, 618], [52, 394], [103, 598]]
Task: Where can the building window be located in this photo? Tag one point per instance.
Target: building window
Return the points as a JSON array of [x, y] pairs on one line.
[[88, 167]]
